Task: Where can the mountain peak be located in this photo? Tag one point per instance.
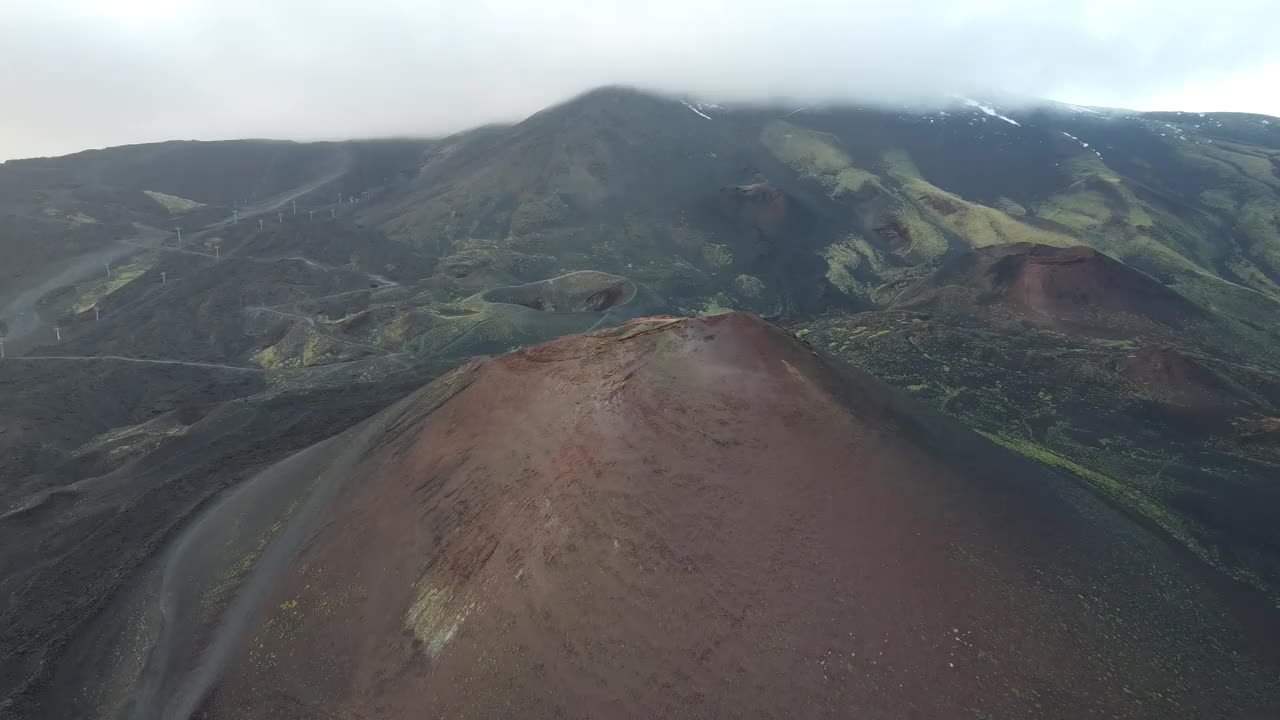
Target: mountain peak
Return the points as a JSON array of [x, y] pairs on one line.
[[595, 524]]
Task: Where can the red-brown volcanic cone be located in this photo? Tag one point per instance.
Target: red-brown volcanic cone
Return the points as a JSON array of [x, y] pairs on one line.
[[1059, 282], [699, 518], [1177, 379], [1077, 289]]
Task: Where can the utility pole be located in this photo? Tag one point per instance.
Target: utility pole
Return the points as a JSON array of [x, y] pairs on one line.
[[57, 331], [96, 314]]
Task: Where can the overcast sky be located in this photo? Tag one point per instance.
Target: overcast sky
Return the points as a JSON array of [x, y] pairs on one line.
[[77, 74]]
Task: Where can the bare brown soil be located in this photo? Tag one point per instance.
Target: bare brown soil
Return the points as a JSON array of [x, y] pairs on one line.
[[700, 518]]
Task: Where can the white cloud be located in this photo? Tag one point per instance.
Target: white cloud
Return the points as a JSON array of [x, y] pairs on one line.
[[86, 74]]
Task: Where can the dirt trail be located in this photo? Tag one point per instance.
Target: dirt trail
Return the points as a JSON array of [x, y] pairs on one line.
[[321, 298], [198, 563], [380, 280], [272, 204], [311, 322], [220, 570], [121, 358]]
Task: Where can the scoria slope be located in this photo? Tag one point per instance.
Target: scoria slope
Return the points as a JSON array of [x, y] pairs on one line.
[[1074, 288], [703, 518]]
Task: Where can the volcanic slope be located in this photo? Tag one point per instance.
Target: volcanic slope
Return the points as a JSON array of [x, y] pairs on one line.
[[697, 518]]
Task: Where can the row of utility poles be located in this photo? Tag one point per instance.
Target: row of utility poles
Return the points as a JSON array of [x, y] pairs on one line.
[[217, 250], [311, 214], [97, 311]]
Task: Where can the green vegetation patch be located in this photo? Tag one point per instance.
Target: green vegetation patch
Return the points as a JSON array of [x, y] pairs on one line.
[[1081, 208], [844, 260], [717, 304], [302, 346], [1127, 495], [1259, 220], [93, 293], [672, 276], [816, 155], [173, 203], [809, 152], [718, 257], [749, 286], [1218, 199], [926, 243], [1009, 207], [977, 225], [1251, 162], [899, 165], [852, 180]]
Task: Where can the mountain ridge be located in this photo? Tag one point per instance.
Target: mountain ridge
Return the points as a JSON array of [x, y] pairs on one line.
[[1094, 291]]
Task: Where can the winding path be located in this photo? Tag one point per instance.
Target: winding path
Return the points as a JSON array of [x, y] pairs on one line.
[[122, 358]]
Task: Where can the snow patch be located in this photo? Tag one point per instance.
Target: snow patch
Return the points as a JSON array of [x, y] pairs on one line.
[[1073, 137], [1080, 109], [989, 110], [695, 109], [1082, 143]]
